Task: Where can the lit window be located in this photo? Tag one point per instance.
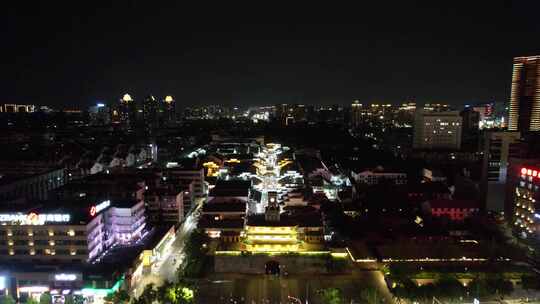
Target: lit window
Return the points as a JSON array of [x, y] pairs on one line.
[[71, 232], [51, 242], [30, 243], [51, 233]]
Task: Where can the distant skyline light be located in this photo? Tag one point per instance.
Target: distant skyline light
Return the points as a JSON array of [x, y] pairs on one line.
[[127, 98]]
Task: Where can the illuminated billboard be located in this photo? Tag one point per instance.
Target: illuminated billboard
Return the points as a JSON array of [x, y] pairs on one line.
[[99, 207], [33, 218]]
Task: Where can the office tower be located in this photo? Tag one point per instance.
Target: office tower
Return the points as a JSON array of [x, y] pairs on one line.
[[100, 114], [127, 111], [311, 115], [497, 148], [299, 112], [282, 113], [150, 112], [405, 114], [356, 114], [436, 107], [437, 130], [168, 111], [470, 129], [524, 112], [471, 119]]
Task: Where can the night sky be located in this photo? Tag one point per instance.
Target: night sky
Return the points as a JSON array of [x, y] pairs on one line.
[[263, 54]]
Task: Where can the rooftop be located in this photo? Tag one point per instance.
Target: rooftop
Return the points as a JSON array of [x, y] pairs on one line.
[[224, 207]]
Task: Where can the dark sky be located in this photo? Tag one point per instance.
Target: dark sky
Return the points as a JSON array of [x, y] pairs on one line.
[[272, 52]]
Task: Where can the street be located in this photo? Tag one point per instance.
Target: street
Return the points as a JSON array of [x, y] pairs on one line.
[[166, 268]]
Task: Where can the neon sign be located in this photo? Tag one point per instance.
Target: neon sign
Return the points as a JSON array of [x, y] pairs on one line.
[[530, 172], [99, 207], [65, 277], [33, 218]]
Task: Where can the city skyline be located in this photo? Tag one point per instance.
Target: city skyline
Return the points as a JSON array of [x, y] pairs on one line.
[[163, 153], [455, 55]]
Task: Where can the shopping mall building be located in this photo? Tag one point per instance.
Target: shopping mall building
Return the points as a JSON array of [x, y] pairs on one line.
[[75, 234], [45, 248]]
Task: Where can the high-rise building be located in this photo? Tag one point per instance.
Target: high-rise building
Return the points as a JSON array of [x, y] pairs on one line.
[[356, 114], [168, 111], [150, 112], [524, 112], [283, 113], [100, 114], [127, 111], [437, 130], [497, 148], [470, 130], [522, 195], [436, 107], [299, 113]]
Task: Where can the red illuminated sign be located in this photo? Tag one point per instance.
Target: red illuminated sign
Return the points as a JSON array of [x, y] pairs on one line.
[[93, 211], [99, 207], [530, 172]]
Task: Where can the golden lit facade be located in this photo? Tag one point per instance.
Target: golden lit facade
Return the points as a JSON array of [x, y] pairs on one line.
[[524, 110], [17, 108], [356, 113], [271, 239]]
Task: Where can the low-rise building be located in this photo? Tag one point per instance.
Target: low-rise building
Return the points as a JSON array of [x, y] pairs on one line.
[[230, 191], [223, 219], [64, 235], [165, 206], [29, 184], [373, 177]]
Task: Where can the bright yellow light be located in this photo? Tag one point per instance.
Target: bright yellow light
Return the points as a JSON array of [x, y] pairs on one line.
[[126, 98], [270, 230], [212, 168], [272, 247], [339, 254], [169, 99]]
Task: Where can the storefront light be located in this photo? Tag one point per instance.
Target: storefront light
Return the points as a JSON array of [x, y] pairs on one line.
[[32, 289]]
